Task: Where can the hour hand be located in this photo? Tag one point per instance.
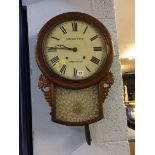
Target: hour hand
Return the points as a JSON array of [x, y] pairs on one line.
[[68, 48], [74, 49], [52, 49], [58, 47]]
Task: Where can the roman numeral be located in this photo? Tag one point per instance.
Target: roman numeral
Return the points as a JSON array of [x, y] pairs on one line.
[[88, 69], [63, 69], [55, 60], [74, 26], [95, 60], [85, 30], [63, 30], [97, 48], [75, 72], [93, 38], [55, 38]]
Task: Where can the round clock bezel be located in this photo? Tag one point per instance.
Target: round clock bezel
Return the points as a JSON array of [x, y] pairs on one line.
[[54, 77]]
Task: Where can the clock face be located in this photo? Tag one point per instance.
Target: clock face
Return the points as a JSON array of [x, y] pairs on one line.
[[74, 50]]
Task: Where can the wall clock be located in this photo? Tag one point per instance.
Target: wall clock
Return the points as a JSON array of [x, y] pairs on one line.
[[74, 53]]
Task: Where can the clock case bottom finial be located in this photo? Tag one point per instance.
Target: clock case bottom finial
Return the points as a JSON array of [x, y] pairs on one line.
[[87, 135]]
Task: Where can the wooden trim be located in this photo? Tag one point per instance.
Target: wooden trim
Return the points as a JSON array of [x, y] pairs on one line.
[[76, 123], [51, 75]]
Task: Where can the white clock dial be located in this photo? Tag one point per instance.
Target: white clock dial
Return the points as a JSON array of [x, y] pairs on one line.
[[75, 50]]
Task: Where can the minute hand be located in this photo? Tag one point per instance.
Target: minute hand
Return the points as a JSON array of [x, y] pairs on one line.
[[62, 47], [73, 49], [67, 48]]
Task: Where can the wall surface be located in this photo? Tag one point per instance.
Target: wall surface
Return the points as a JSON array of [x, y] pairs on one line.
[[109, 136]]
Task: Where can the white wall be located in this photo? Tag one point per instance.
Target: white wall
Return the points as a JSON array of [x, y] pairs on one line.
[[110, 134]]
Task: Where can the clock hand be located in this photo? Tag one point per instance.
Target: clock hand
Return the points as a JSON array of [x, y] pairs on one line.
[[51, 48], [62, 47], [68, 48]]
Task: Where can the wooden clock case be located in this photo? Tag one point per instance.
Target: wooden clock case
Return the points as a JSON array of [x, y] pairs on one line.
[[49, 80]]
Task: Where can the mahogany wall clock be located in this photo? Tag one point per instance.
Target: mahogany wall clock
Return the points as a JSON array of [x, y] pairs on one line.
[[74, 53]]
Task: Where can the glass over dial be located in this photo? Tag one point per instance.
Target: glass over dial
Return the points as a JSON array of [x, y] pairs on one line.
[[75, 50]]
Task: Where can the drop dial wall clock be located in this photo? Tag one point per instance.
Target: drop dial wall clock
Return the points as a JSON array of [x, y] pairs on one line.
[[74, 53]]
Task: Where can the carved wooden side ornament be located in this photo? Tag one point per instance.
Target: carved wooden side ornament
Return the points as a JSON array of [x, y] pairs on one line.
[[107, 83], [44, 85]]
